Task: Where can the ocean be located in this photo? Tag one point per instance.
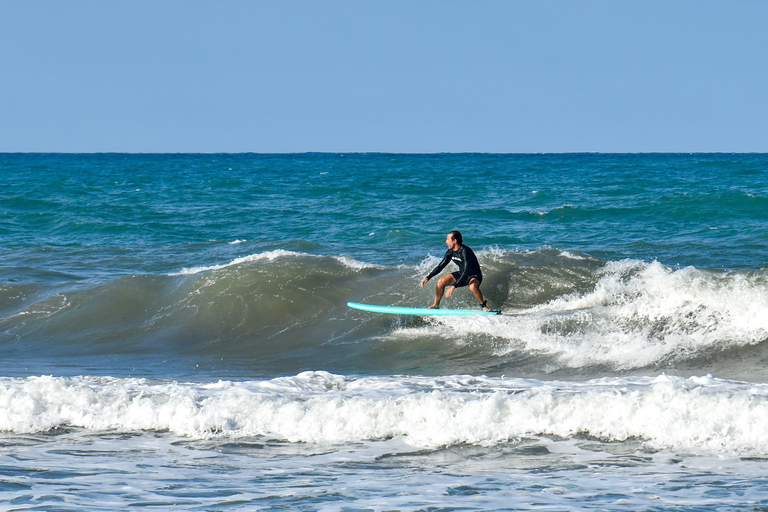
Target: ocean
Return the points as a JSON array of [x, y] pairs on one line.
[[174, 332]]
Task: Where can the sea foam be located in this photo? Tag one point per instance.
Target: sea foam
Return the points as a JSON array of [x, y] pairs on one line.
[[637, 314], [665, 412], [272, 256]]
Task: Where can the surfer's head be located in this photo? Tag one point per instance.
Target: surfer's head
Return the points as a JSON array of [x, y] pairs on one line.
[[453, 240]]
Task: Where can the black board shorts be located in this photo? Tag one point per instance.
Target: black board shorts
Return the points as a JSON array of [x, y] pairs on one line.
[[469, 278]]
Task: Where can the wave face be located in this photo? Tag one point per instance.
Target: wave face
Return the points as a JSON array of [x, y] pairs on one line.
[[283, 311], [669, 413]]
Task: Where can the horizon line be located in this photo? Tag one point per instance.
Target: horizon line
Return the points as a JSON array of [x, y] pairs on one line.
[[344, 153]]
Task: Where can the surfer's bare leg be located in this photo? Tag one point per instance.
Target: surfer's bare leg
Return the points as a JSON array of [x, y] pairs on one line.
[[474, 287], [442, 284]]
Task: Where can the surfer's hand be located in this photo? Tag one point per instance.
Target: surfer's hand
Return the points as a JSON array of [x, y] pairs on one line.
[[449, 291], [424, 281]]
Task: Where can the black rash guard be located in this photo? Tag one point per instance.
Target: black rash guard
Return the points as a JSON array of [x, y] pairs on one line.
[[467, 262]]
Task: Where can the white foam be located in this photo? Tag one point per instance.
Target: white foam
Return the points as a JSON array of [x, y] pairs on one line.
[[317, 407], [638, 314], [571, 256], [272, 256], [494, 254], [356, 264], [263, 256], [426, 265]]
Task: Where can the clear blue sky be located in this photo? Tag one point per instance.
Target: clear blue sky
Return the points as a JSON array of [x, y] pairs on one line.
[[389, 75]]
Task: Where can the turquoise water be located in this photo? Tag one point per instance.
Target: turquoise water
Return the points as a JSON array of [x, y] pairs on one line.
[[189, 311], [157, 213]]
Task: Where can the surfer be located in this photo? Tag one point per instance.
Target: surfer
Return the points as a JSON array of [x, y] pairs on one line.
[[469, 273]]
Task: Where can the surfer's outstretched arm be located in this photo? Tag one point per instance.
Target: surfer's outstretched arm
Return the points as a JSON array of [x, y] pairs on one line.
[[440, 266]]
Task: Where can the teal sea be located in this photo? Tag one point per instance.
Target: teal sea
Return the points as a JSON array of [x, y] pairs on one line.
[[174, 332]]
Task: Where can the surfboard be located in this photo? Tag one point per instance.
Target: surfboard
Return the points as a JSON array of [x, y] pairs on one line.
[[400, 310]]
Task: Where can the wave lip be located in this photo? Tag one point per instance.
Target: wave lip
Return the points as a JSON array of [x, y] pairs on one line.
[[272, 256], [702, 413]]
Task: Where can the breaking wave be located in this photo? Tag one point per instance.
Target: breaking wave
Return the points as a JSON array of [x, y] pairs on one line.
[[564, 312], [318, 407]]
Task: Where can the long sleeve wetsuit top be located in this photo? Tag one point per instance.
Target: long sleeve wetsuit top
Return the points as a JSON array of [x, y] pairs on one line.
[[468, 265]]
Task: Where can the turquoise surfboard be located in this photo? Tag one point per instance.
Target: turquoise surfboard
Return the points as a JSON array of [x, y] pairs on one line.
[[399, 310]]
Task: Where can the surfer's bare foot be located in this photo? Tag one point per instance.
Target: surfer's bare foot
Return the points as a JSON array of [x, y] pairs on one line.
[[434, 306]]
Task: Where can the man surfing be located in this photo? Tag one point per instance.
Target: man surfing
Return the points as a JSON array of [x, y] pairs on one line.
[[469, 273]]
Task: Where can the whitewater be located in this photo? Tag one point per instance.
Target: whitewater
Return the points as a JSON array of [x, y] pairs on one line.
[[174, 333], [319, 407]]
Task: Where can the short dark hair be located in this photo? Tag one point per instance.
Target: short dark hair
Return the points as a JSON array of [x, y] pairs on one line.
[[456, 236]]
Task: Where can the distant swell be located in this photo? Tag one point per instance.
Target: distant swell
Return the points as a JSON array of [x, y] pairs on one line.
[[286, 311]]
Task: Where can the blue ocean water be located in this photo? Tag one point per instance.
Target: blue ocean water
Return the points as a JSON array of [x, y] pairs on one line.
[[174, 332]]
